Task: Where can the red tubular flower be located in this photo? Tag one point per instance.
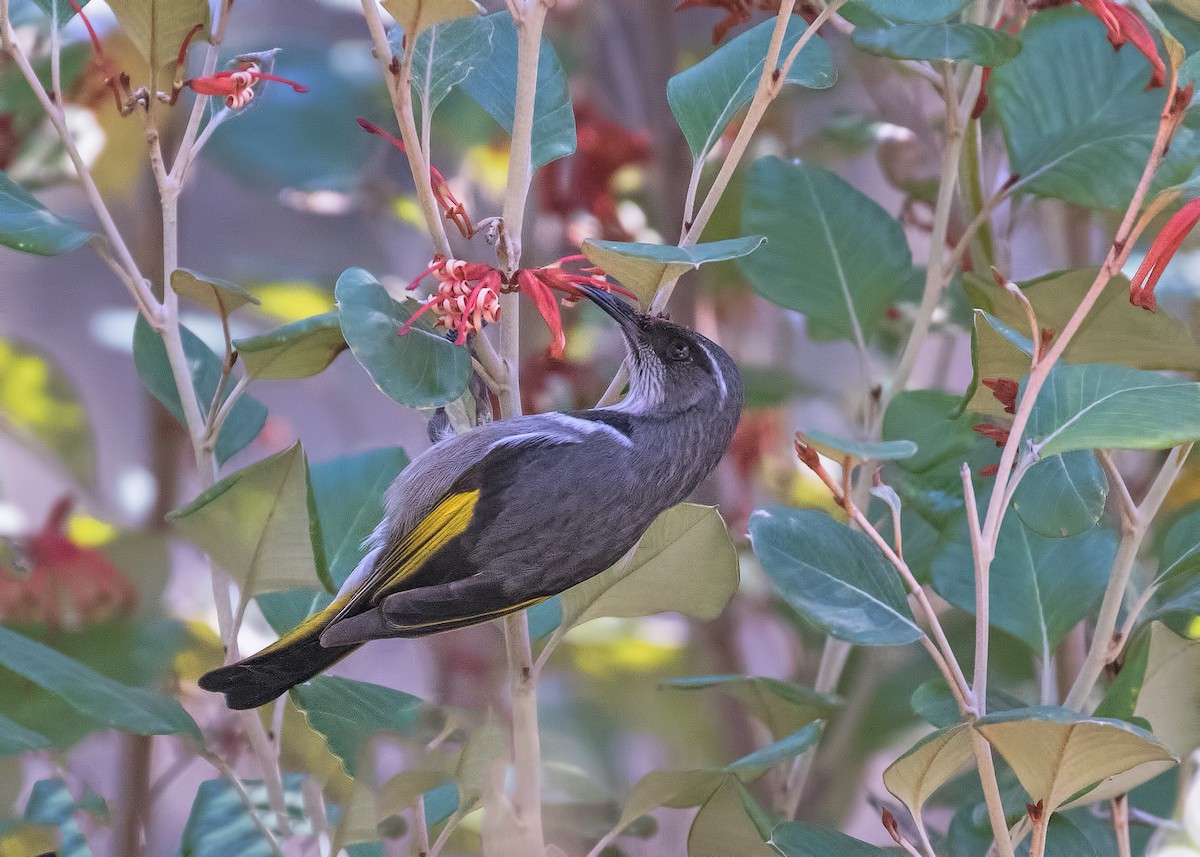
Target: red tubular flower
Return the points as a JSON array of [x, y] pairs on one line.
[[1005, 391], [991, 431], [1123, 26], [237, 86], [452, 209], [1141, 287]]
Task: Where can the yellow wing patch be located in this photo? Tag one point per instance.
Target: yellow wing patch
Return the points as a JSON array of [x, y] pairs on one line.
[[447, 520]]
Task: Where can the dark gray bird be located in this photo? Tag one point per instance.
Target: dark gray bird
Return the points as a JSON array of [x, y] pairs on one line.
[[501, 517]]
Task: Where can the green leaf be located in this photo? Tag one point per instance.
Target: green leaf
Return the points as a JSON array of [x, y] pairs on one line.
[[287, 609], [970, 43], [349, 713], [221, 825], [934, 702], [297, 350], [349, 494], [914, 11], [16, 739], [726, 824], [782, 707], [685, 562], [246, 417], [445, 55], [219, 296], [42, 408], [770, 386], [1180, 555], [1062, 495], [1057, 754], [157, 28], [832, 252], [801, 839], [1040, 587], [1098, 406], [1160, 684], [706, 97], [1114, 331], [26, 225], [421, 369], [259, 525], [119, 706], [833, 576], [1084, 133], [838, 448], [928, 765], [51, 802], [997, 352], [754, 765], [416, 16], [493, 86], [642, 267]]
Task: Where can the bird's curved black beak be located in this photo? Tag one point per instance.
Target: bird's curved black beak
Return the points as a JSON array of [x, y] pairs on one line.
[[624, 314]]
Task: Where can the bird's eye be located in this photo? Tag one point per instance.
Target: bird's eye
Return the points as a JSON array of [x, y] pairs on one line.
[[678, 350]]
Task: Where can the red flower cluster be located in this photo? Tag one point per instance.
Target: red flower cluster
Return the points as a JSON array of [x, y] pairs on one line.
[[1165, 246], [468, 295], [1005, 390], [237, 85], [1123, 26], [69, 586]]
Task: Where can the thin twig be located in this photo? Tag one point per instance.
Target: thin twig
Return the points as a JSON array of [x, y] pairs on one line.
[[1120, 819], [829, 672], [982, 562], [1129, 510]]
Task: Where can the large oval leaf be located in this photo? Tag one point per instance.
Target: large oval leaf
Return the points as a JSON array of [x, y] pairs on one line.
[[1082, 131], [158, 27], [1180, 555], [445, 55], [783, 707], [16, 739], [1040, 587], [421, 369], [260, 525], [1057, 753], [706, 97], [416, 16], [832, 253], [802, 839], [1098, 406], [912, 11], [833, 576]]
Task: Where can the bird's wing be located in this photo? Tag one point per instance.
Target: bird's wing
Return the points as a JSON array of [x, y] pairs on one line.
[[393, 564]]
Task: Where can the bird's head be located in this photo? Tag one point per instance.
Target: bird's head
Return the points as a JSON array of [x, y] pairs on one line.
[[671, 368]]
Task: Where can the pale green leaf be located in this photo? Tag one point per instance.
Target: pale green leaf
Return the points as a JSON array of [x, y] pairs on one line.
[[641, 268], [782, 707], [928, 765], [934, 42], [726, 824], [157, 28], [15, 738], [801, 839], [416, 16], [445, 55], [1057, 753], [685, 562], [219, 296], [913, 11], [1063, 495], [297, 350], [258, 525], [838, 448]]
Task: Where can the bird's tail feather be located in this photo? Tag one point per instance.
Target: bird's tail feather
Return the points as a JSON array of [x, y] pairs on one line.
[[295, 657]]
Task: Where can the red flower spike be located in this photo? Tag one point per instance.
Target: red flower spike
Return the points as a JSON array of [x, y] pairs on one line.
[[538, 291], [1141, 286], [1005, 391], [1123, 25], [993, 432]]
